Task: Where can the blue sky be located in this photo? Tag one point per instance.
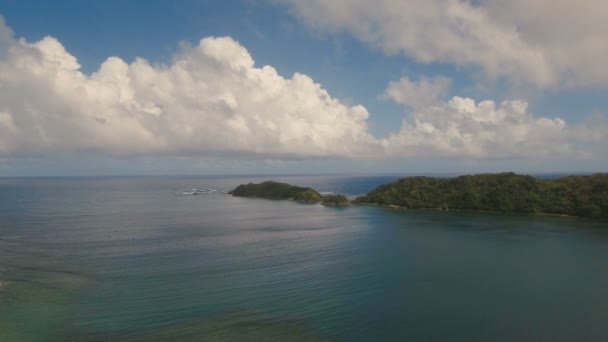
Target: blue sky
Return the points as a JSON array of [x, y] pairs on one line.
[[352, 61], [154, 31]]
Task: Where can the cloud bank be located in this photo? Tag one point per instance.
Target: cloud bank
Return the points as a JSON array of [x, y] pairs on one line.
[[210, 100], [546, 43], [461, 127], [213, 101]]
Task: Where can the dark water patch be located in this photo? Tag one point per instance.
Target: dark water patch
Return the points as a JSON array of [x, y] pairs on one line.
[[241, 325], [37, 307]]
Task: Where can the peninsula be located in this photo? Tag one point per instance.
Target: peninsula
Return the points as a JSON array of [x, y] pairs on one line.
[[584, 196]]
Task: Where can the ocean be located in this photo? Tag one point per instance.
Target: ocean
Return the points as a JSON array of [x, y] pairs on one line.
[[142, 259]]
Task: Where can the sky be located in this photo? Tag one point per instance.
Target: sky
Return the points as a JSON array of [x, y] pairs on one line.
[[285, 86]]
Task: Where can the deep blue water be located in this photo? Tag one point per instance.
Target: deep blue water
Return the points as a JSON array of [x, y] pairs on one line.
[[89, 259]]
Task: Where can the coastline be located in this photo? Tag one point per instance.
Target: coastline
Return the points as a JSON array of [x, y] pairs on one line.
[[502, 193], [393, 206], [505, 193]]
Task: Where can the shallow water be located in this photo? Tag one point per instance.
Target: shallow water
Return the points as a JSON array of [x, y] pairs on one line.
[[132, 259]]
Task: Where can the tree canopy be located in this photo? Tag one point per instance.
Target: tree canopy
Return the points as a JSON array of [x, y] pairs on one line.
[[336, 200], [274, 190], [585, 196]]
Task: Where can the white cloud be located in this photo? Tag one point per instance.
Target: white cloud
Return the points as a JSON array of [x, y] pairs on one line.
[[463, 128], [212, 101], [540, 42], [572, 35], [418, 93]]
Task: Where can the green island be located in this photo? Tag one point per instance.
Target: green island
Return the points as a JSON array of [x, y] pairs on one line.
[[583, 196], [283, 191]]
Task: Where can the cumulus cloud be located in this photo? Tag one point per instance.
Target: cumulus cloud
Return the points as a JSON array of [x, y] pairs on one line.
[[546, 43], [418, 93], [212, 101], [461, 127]]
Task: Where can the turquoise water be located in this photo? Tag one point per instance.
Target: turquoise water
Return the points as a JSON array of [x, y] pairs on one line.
[[89, 259]]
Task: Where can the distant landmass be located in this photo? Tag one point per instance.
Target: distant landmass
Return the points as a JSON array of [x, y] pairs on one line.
[[283, 191], [335, 200], [584, 196]]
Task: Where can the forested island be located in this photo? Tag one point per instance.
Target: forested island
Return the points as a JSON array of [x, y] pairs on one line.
[[584, 196], [277, 191]]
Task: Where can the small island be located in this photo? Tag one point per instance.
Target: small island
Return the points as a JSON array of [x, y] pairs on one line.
[[584, 196], [335, 200], [283, 191]]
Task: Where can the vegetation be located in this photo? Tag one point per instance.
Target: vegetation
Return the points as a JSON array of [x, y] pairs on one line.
[[585, 196], [336, 200], [308, 196], [275, 190]]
